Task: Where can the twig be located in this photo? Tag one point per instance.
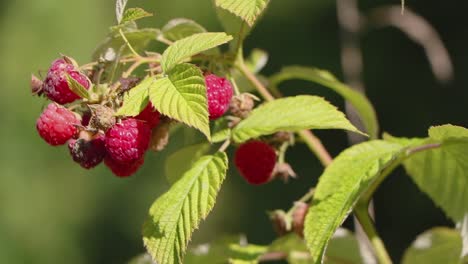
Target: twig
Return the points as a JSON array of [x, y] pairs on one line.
[[128, 43], [224, 146], [273, 256], [368, 227], [164, 40], [423, 148]]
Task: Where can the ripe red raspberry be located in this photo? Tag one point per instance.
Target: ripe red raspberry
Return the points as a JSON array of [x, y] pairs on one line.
[[88, 153], [150, 115], [219, 93], [127, 142], [255, 161], [123, 169], [57, 124], [56, 86]]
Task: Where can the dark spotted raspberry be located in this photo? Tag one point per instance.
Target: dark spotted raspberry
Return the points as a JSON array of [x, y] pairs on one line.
[[88, 153]]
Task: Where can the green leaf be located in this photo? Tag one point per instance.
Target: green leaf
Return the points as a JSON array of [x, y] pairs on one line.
[[340, 187], [343, 248], [133, 14], [119, 9], [442, 172], [255, 62], [234, 26], [176, 214], [189, 46], [183, 159], [291, 114], [138, 38], [359, 101], [248, 10], [136, 99], [182, 95], [293, 246], [77, 88], [216, 252], [435, 246], [180, 28], [248, 254], [448, 133]]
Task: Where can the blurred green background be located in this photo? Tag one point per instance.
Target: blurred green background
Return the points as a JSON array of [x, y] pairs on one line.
[[52, 211]]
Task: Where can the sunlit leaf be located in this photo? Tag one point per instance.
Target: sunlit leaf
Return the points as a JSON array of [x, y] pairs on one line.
[[189, 46], [182, 95], [176, 214], [291, 114], [359, 101], [340, 187], [435, 246]]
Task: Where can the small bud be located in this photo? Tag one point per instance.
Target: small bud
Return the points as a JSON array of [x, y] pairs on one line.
[[280, 221], [36, 85], [160, 135], [241, 105], [284, 172], [128, 83], [102, 117], [282, 137], [298, 217]]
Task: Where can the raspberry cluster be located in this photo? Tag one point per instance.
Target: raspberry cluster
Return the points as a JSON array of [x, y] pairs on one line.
[[91, 129], [92, 133]]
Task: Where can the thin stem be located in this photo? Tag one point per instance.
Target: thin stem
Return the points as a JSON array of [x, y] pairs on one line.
[[224, 146], [367, 224], [316, 146], [236, 88], [137, 63], [238, 47], [164, 40], [273, 256], [88, 66], [422, 148], [383, 175], [282, 152], [306, 197], [128, 43], [132, 68], [367, 196], [254, 80]]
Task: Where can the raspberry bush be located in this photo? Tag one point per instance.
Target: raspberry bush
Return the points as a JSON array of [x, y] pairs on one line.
[[130, 98]]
